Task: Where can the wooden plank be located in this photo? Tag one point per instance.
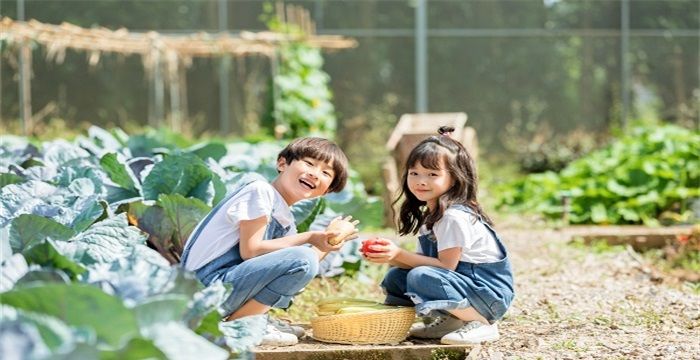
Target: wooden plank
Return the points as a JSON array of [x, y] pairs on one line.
[[639, 237], [311, 349]]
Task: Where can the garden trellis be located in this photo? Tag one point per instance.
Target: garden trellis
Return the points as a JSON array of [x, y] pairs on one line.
[[158, 52]]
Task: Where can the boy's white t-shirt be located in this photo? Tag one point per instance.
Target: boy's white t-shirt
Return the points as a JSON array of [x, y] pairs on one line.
[[459, 228], [222, 232]]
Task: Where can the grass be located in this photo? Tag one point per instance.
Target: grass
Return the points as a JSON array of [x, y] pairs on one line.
[[600, 246], [569, 344]]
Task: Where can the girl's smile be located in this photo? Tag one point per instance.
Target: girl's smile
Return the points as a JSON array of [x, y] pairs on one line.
[[429, 184]]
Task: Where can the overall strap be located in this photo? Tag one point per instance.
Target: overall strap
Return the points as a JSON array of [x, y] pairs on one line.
[[473, 213], [466, 208], [488, 226], [193, 237]]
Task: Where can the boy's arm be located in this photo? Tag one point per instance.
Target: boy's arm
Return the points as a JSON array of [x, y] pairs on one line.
[[252, 243]]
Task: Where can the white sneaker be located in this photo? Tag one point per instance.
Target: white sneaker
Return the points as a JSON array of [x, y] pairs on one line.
[[473, 332], [274, 337], [286, 327], [435, 327]]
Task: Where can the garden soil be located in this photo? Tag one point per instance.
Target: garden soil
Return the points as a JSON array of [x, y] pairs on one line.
[[576, 303]]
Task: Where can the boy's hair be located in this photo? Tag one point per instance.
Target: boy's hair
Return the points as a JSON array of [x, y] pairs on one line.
[[460, 166], [319, 149]]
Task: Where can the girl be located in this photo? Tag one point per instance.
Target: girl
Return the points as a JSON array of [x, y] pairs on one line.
[[461, 272]]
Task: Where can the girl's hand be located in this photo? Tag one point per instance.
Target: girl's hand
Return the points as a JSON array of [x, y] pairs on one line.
[[319, 239], [380, 250]]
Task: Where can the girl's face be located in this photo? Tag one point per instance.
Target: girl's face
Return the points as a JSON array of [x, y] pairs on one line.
[[301, 179], [429, 184]]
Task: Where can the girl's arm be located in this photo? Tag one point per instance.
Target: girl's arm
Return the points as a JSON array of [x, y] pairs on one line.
[[447, 259], [252, 243], [396, 256]]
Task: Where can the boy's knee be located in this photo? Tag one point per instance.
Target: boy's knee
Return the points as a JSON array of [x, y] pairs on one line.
[[307, 257]]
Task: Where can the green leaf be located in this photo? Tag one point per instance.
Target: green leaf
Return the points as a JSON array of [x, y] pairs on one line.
[[136, 348], [599, 214], [212, 150], [117, 195], [118, 172], [184, 214], [59, 152], [155, 222], [629, 215], [7, 179], [179, 342], [305, 212], [104, 241], [210, 325], [47, 274], [45, 254], [176, 174], [619, 189], [28, 230], [54, 333], [161, 309], [219, 190], [205, 302], [78, 305], [89, 215], [24, 198], [351, 268]]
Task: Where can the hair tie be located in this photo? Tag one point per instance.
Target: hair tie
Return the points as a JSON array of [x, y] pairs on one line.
[[446, 131]]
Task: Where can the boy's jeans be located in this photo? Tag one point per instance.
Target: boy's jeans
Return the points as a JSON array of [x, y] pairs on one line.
[[271, 279]]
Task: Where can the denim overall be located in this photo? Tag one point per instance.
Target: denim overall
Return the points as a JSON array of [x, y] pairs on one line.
[[488, 287], [271, 279]]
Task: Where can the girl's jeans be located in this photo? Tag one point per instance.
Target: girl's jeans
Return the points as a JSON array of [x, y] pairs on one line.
[[487, 287]]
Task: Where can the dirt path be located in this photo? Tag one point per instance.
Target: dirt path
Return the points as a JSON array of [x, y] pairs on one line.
[[573, 303]]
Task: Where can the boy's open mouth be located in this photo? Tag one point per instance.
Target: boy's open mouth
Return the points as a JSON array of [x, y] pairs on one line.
[[307, 184]]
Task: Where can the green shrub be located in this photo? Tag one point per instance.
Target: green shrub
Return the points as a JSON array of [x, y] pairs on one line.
[[653, 170]]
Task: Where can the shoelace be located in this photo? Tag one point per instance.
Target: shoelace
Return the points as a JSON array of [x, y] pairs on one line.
[[279, 323], [470, 326], [439, 320]]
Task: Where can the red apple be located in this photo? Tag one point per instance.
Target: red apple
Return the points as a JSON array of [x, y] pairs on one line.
[[369, 242]]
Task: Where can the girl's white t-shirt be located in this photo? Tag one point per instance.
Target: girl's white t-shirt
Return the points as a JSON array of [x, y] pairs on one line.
[[222, 232], [459, 228]]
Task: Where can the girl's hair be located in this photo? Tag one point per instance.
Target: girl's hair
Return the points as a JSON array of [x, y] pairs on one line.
[[460, 166], [319, 149]]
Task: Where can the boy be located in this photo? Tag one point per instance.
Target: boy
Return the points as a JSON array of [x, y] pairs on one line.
[[250, 239]]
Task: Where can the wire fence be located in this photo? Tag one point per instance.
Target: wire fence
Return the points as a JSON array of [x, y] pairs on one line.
[[516, 65]]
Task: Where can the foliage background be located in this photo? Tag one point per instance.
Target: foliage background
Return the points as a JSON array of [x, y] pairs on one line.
[[523, 64]]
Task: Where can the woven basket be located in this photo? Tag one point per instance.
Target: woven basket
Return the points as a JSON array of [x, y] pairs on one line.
[[372, 327]]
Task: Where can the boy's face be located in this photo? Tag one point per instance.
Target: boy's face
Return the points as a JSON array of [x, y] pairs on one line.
[[304, 178]]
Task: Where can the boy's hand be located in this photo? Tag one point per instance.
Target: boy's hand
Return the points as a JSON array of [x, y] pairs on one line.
[[379, 250], [319, 239], [346, 229]]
